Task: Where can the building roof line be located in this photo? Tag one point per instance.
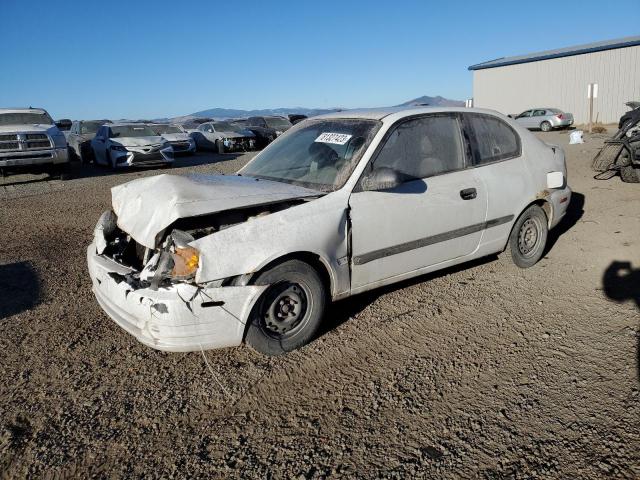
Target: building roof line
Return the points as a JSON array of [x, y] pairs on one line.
[[558, 53]]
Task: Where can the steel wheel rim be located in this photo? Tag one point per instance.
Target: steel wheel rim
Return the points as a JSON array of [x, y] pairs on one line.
[[530, 237], [285, 309]]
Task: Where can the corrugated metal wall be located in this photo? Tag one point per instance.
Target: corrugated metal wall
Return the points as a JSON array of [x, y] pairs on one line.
[[562, 83]]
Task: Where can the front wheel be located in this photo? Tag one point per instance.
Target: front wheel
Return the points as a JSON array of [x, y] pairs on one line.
[[528, 237], [289, 312], [545, 126]]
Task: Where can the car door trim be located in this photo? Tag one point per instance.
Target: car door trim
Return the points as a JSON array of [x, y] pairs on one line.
[[426, 241]]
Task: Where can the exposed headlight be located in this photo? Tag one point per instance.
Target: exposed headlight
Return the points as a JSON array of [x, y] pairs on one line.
[[185, 263], [118, 148]]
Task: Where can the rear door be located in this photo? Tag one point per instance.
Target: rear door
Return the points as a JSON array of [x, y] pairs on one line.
[[436, 214]]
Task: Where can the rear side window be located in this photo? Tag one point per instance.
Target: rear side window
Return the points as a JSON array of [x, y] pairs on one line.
[[494, 139], [423, 147]]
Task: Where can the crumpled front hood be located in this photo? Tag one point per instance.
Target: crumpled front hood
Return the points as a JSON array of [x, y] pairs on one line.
[[147, 206], [39, 128], [138, 141], [176, 137]]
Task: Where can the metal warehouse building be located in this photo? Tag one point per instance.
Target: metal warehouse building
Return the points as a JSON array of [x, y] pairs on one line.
[[560, 79]]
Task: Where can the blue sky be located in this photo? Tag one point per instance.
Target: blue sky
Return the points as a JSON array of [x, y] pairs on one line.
[[157, 58]]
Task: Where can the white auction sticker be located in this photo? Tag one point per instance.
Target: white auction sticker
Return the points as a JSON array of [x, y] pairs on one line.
[[337, 138]]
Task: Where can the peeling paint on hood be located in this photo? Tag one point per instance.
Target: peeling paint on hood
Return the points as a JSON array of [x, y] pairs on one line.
[[147, 206]]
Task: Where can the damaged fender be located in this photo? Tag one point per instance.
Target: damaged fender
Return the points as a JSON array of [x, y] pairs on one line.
[[318, 227]]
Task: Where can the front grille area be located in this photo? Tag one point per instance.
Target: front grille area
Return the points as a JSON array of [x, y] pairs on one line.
[[147, 157], [38, 144], [24, 142], [9, 145]]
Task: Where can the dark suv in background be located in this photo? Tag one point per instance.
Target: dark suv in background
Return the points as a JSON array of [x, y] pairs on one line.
[[266, 129]]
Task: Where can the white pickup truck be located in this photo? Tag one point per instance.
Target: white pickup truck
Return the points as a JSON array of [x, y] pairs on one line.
[[30, 138]]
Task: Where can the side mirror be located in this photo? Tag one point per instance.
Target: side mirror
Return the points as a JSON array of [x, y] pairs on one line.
[[383, 178]]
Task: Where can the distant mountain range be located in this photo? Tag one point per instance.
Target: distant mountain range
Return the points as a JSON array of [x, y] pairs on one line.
[[433, 102], [310, 112]]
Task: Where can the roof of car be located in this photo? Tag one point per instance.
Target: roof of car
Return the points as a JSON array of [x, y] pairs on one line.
[[22, 110], [380, 113]]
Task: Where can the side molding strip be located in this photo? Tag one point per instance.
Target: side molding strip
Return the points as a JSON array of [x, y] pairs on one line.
[[426, 241]]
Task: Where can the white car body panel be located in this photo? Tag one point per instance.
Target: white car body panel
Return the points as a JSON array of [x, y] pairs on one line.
[[324, 225]]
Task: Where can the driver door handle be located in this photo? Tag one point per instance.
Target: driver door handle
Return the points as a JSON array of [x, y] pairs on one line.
[[468, 193]]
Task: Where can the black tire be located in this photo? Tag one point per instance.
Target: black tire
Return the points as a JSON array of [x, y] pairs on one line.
[[630, 174], [528, 237], [290, 311], [607, 157], [63, 171], [545, 126]]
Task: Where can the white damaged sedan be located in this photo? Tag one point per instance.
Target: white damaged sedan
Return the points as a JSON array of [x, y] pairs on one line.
[[338, 205]]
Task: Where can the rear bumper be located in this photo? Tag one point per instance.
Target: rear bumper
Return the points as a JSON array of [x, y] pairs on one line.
[[34, 157], [559, 199], [180, 318], [562, 123]]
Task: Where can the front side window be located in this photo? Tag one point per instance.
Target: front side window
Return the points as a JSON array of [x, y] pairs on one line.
[[319, 154], [524, 114], [423, 147], [494, 139]]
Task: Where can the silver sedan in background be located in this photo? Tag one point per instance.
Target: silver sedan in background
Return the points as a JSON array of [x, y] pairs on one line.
[[546, 119]]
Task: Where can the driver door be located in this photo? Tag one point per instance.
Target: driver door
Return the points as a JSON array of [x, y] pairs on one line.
[[436, 213]]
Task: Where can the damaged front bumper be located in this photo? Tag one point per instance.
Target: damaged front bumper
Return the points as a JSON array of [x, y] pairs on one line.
[[178, 318]]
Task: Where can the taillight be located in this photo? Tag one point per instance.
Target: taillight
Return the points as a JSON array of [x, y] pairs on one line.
[[560, 116]]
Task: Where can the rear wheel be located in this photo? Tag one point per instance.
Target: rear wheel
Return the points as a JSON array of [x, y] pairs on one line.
[[545, 126], [289, 312], [528, 237]]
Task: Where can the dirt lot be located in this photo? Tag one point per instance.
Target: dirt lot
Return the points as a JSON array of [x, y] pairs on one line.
[[480, 371]]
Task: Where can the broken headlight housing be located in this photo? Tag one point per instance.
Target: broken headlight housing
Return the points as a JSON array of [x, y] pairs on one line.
[[177, 261]]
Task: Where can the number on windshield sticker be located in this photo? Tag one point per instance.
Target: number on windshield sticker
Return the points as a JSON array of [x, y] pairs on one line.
[[336, 138]]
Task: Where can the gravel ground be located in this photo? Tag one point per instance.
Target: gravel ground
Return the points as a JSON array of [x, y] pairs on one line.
[[484, 370]]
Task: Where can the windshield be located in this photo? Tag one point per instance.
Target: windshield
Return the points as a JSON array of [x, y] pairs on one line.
[[26, 118], [226, 127], [277, 123], [124, 131], [160, 129], [319, 155], [90, 127]]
